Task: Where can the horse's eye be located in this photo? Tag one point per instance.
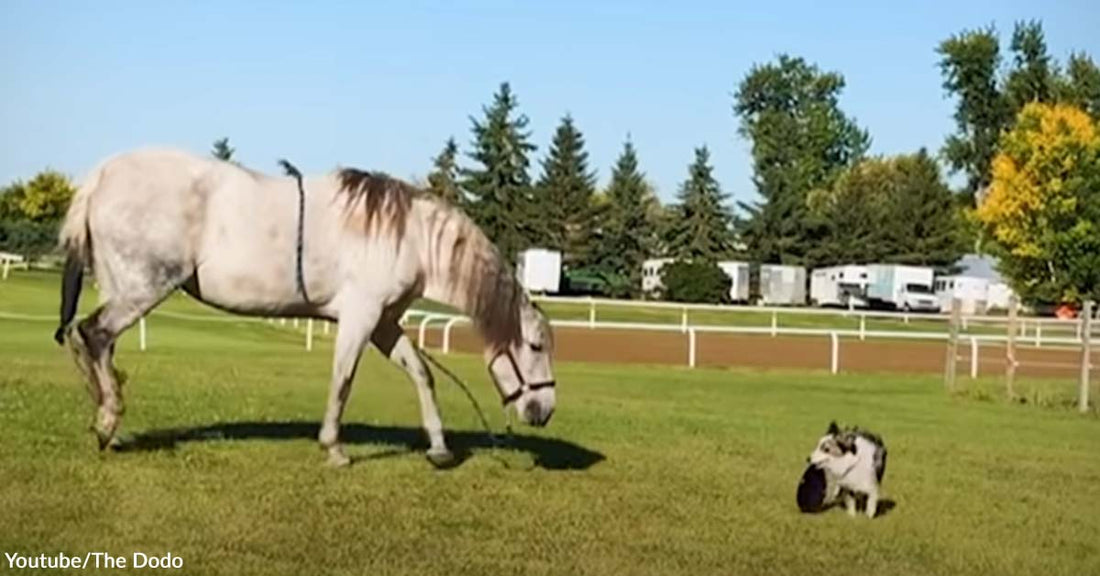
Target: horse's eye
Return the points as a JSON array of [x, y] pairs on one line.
[[536, 347]]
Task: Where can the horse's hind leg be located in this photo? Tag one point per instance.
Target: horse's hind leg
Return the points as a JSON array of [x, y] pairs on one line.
[[97, 335]]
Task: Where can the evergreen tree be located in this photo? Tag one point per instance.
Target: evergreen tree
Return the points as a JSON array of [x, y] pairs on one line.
[[443, 179], [801, 141], [499, 187], [626, 235], [222, 150], [565, 195], [702, 229]]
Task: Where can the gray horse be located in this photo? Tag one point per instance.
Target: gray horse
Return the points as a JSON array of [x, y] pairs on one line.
[[367, 246]]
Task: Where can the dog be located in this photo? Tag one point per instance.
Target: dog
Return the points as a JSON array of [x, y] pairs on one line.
[[854, 462]]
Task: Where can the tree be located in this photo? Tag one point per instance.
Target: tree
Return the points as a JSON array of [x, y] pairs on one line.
[[988, 102], [1080, 86], [1043, 206], [222, 150], [801, 141], [499, 188], [626, 234], [565, 195], [896, 210], [44, 199], [695, 281], [969, 62], [1033, 77], [443, 179], [702, 228]]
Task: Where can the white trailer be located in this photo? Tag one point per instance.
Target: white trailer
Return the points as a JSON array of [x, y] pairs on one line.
[[539, 270], [782, 285], [739, 279], [971, 291], [902, 287], [842, 286]]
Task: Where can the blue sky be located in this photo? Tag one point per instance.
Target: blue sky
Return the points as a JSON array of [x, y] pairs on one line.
[[382, 85]]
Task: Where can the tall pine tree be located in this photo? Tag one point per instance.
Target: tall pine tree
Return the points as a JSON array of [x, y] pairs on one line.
[[702, 229], [499, 187], [626, 234], [564, 195], [443, 179], [222, 150]]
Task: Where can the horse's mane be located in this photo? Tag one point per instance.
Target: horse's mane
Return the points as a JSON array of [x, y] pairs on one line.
[[383, 198], [475, 273]]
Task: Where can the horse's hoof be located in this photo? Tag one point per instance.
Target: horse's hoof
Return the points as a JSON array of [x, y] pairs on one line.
[[442, 458], [104, 439], [337, 459]]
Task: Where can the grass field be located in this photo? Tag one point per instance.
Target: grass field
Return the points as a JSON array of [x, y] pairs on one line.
[[644, 470]]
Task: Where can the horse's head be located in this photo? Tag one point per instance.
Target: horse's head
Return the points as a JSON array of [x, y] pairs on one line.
[[522, 370]]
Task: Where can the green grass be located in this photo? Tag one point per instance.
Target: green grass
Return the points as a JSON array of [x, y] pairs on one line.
[[644, 470]]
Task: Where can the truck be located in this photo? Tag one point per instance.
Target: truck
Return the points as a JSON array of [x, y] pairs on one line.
[[900, 287], [539, 270], [843, 286]]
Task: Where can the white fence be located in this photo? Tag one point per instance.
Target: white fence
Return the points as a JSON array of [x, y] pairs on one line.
[[424, 320]]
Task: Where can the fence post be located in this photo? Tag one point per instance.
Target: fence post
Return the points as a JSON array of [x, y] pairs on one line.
[[862, 327], [973, 357], [423, 328], [141, 333], [905, 317], [1010, 350], [1086, 358], [684, 320], [834, 357], [775, 323], [951, 362], [282, 321], [309, 334], [691, 347], [447, 334], [324, 327], [591, 314], [7, 267], [1038, 334]]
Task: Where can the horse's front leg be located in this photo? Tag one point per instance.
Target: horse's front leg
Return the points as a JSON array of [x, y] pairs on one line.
[[352, 333], [391, 340]]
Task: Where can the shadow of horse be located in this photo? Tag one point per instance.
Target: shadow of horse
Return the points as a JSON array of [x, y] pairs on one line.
[[547, 453]]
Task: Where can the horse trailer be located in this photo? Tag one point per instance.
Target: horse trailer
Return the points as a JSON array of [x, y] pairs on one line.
[[539, 270], [782, 285], [842, 286]]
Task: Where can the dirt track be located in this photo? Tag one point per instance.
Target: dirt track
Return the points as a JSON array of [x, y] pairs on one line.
[[722, 350]]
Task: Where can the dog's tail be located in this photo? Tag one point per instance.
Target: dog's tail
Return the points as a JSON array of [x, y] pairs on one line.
[[76, 239], [880, 462]]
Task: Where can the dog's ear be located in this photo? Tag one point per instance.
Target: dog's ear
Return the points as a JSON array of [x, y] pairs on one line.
[[833, 429], [847, 443]]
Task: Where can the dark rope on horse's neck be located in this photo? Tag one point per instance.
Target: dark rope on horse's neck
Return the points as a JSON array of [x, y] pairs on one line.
[[290, 170]]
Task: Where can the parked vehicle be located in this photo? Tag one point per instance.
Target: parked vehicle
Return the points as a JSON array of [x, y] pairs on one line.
[[782, 285], [539, 270], [843, 286], [901, 287]]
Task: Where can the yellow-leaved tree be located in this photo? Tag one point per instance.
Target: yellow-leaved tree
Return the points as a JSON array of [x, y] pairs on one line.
[[1042, 209]]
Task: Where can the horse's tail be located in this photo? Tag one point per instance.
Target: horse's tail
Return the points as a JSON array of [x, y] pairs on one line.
[[75, 238]]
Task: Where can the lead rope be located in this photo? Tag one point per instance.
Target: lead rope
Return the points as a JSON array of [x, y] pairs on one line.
[[290, 170], [494, 440]]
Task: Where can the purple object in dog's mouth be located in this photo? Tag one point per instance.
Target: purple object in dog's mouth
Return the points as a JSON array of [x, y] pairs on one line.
[[811, 489]]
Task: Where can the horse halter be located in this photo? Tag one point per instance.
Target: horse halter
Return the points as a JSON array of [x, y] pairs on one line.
[[524, 385]]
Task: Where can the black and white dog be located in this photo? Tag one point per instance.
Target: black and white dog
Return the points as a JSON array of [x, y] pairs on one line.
[[854, 462]]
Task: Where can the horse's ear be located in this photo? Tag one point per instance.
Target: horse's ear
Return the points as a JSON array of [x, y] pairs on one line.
[[833, 429]]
